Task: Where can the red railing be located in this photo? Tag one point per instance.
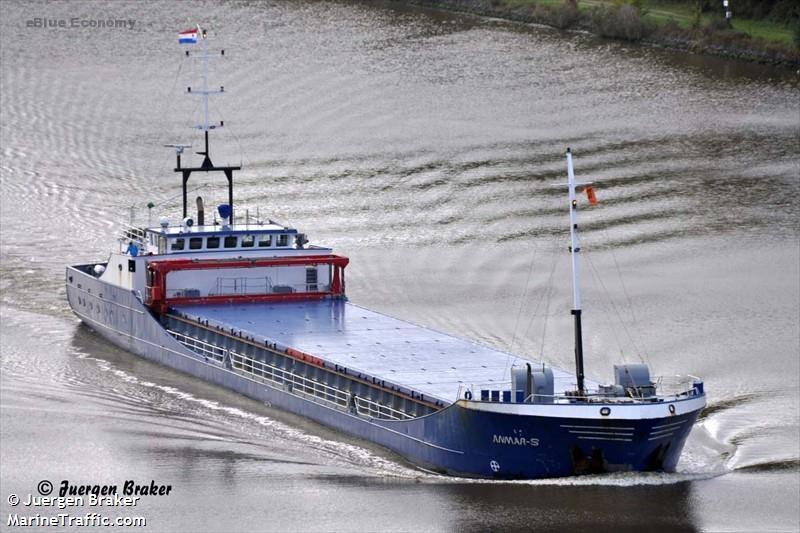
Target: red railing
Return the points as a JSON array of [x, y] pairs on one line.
[[158, 299]]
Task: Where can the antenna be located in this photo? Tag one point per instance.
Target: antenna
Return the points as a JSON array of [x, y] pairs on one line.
[[204, 92], [179, 148], [205, 127]]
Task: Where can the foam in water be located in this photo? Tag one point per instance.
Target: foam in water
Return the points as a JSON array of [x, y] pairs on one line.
[[354, 455]]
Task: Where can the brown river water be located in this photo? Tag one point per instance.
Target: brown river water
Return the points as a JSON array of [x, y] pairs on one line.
[[425, 146]]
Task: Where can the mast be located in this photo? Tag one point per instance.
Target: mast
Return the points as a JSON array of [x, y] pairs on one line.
[[574, 249], [205, 127]]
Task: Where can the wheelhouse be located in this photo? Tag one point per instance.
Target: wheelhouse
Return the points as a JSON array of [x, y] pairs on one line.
[[245, 238]]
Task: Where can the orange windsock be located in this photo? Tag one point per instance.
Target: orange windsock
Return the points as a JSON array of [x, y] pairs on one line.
[[590, 195]]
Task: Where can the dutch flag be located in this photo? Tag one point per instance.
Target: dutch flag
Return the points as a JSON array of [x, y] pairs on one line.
[[188, 36]]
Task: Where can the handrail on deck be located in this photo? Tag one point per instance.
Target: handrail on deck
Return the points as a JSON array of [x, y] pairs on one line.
[[292, 382], [205, 348], [134, 234], [667, 387], [261, 370], [371, 408]]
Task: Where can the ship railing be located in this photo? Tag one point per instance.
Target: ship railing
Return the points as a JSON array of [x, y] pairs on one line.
[[300, 385], [666, 387], [206, 349], [256, 286], [293, 383], [133, 233], [242, 285], [678, 385], [243, 289], [365, 407]]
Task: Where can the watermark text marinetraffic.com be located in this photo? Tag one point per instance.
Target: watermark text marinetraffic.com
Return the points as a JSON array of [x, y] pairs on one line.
[[45, 23]]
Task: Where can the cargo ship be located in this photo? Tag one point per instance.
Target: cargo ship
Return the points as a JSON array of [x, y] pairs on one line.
[[256, 308]]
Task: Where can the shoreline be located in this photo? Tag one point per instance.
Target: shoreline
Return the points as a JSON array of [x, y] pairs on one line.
[[781, 58]]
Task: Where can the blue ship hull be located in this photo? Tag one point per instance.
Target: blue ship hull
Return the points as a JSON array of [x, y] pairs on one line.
[[467, 438], [502, 446]]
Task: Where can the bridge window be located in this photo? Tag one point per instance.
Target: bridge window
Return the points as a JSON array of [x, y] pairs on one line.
[[283, 240], [195, 243], [264, 241], [212, 242], [248, 241], [231, 241], [177, 244]]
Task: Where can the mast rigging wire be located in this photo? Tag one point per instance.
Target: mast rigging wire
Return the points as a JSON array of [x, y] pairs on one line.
[[615, 309]]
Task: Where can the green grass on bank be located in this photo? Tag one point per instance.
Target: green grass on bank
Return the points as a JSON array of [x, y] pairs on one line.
[[683, 14], [769, 31]]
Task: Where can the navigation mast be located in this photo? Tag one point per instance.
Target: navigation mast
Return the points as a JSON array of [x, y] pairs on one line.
[[206, 126], [574, 249]]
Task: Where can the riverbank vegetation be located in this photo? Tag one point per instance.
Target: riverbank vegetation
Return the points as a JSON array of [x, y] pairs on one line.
[[767, 31]]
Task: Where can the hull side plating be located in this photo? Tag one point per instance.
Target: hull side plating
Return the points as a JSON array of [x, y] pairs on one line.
[[461, 439]]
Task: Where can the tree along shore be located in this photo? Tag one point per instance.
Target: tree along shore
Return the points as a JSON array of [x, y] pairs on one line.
[[629, 20]]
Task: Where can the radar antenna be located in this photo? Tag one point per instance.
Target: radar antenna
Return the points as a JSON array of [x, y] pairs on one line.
[[179, 148]]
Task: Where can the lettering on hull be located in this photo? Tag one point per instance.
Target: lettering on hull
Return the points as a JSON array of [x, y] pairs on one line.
[[514, 441]]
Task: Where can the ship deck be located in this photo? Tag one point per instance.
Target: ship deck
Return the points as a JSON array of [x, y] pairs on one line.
[[419, 358]]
